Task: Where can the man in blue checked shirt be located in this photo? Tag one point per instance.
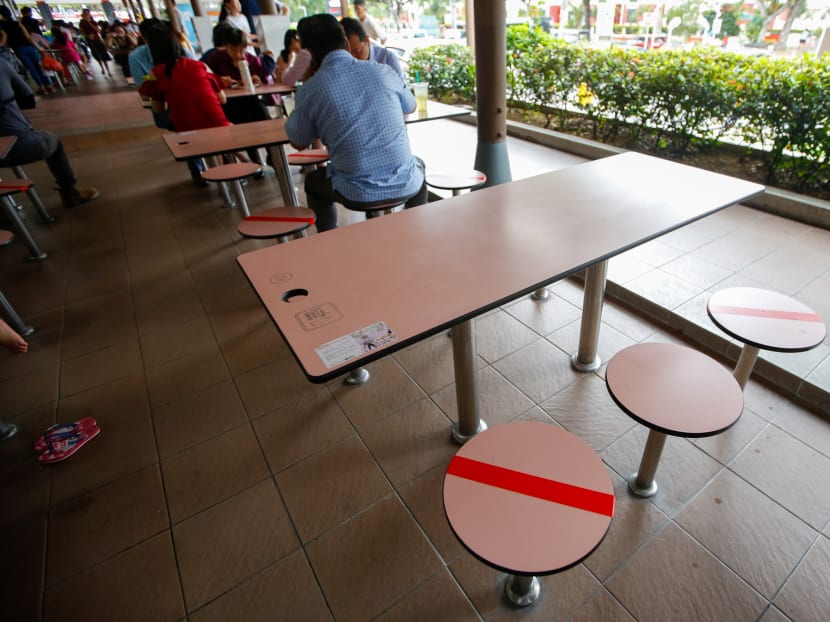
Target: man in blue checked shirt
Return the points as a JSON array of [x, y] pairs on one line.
[[356, 108]]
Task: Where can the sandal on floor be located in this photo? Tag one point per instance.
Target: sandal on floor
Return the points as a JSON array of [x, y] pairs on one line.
[[61, 448], [63, 430]]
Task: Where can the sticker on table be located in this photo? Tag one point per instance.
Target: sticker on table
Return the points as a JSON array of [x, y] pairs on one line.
[[321, 315], [356, 344]]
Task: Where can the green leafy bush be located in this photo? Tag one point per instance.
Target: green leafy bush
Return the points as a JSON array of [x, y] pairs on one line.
[[673, 102]]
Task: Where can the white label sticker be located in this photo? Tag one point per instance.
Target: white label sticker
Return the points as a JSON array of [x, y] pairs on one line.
[[356, 344]]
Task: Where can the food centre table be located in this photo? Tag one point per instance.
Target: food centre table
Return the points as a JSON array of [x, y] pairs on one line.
[[346, 297], [271, 135]]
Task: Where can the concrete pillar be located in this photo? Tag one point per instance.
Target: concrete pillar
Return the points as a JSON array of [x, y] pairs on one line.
[[198, 9], [491, 90]]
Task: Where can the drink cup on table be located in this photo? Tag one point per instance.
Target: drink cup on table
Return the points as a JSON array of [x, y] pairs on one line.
[[421, 91]]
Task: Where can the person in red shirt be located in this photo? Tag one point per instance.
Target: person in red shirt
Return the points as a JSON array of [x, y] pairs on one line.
[[192, 95]]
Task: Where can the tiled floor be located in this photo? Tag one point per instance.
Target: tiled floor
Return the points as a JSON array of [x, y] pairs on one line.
[[226, 487]]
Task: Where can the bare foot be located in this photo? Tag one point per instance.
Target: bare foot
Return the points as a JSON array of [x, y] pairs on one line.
[[10, 340]]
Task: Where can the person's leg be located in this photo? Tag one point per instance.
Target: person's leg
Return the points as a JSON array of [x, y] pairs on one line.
[[10, 340], [42, 145], [30, 58], [320, 197], [420, 198]]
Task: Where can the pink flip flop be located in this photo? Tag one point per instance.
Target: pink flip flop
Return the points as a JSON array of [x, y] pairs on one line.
[[60, 430], [61, 448]]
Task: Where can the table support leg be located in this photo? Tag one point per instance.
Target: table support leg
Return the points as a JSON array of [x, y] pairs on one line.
[[14, 320], [7, 430], [540, 294], [642, 482], [20, 230], [466, 382], [45, 216], [358, 376], [281, 170], [586, 358], [236, 185], [522, 591], [746, 361]]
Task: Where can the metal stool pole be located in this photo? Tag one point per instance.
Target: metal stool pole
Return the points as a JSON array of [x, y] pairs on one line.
[[45, 216], [14, 320], [35, 254]]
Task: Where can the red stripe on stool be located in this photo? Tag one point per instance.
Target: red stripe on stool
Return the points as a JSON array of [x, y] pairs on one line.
[[14, 187], [532, 485], [279, 219], [769, 313]]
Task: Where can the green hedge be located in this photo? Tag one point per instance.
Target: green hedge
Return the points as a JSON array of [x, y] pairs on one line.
[[665, 101]]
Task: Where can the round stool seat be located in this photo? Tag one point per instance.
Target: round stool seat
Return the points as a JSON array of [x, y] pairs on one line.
[[13, 186], [674, 389], [766, 320], [6, 237], [377, 207], [232, 171], [276, 222], [455, 180], [528, 498], [308, 156]]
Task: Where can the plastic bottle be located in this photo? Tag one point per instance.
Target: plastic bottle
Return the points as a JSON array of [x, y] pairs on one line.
[[245, 72]]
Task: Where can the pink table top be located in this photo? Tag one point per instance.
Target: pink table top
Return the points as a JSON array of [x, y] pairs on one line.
[[217, 140], [416, 272], [262, 89], [766, 319], [674, 389], [436, 110], [528, 497]]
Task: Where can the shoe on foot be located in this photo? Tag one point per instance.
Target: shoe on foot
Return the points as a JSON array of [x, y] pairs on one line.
[[41, 91], [76, 196]]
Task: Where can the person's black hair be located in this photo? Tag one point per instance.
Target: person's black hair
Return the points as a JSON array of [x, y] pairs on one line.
[[356, 2], [5, 12], [58, 35], [164, 48], [290, 35], [236, 37], [321, 34], [26, 10], [220, 33], [352, 26], [145, 26]]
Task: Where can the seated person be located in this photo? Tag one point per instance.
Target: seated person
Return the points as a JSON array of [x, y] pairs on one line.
[[357, 110], [224, 63], [191, 94], [291, 47], [363, 49], [33, 145]]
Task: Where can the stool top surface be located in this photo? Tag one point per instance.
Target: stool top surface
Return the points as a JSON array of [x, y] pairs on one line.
[[674, 389], [455, 180], [276, 222], [766, 319], [229, 172], [11, 186], [308, 156], [528, 498], [5, 237]]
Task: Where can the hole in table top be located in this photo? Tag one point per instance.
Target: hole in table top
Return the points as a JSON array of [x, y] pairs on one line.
[[183, 142], [291, 294]]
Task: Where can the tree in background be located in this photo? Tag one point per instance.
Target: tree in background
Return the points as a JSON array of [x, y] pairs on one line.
[[689, 13]]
